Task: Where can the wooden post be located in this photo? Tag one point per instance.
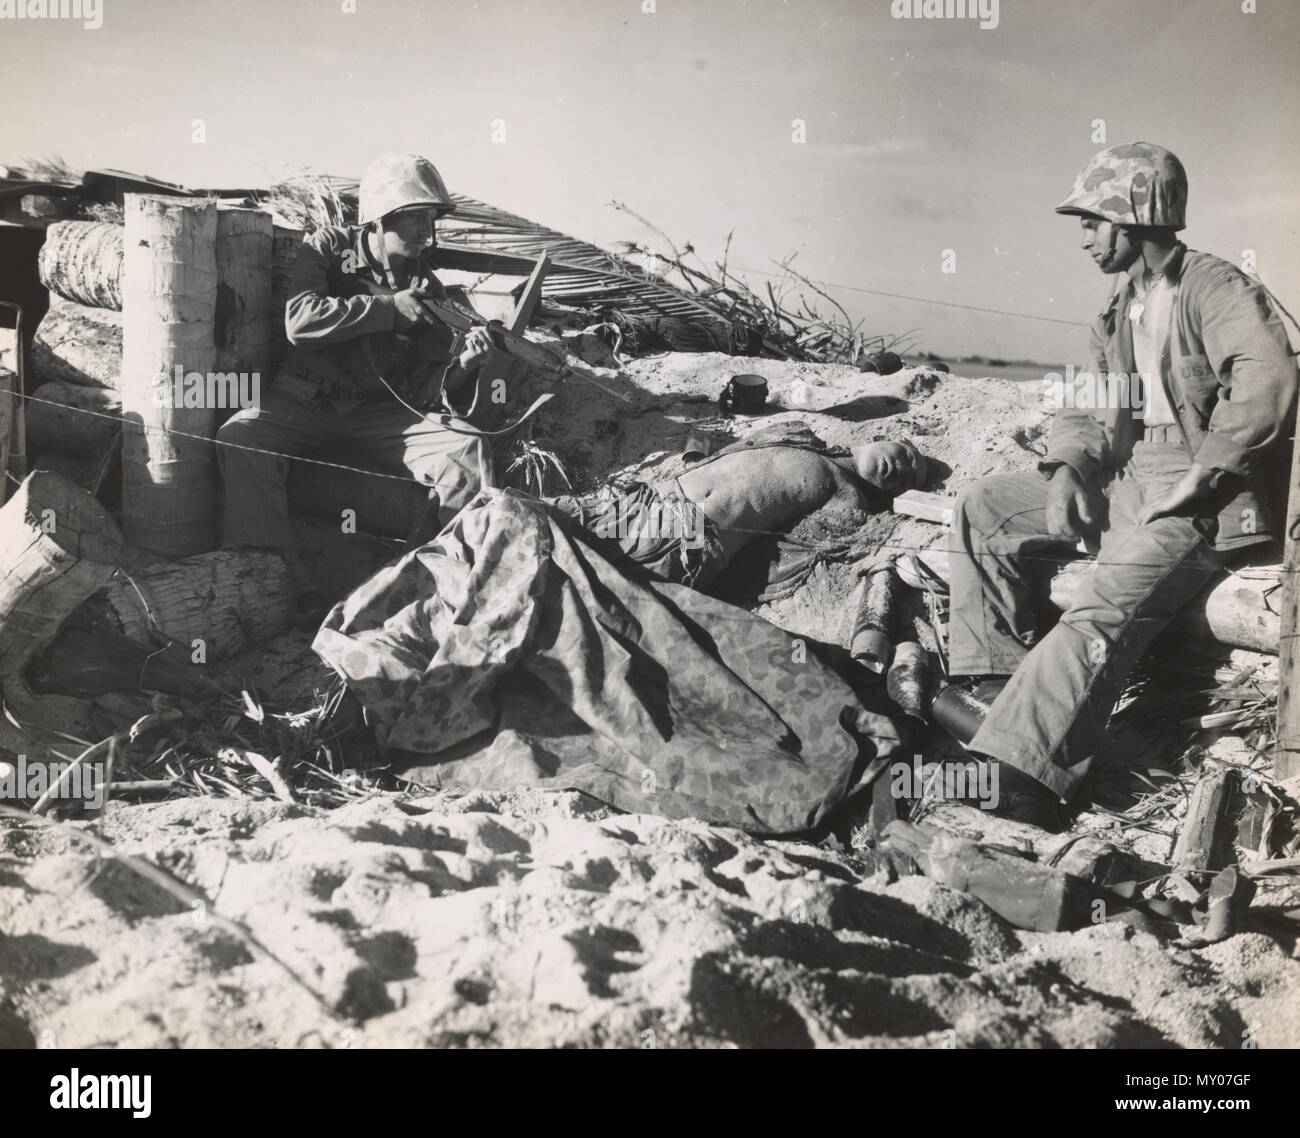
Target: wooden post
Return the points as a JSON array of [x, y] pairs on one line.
[[243, 325], [1286, 751], [1204, 843], [528, 298], [57, 546], [15, 444], [168, 309], [8, 401], [285, 245]]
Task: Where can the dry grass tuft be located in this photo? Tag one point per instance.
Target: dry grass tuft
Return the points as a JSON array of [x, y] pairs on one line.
[[309, 201], [537, 465], [51, 168]]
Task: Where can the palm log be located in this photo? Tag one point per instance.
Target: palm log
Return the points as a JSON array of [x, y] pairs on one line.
[[75, 343], [229, 600], [57, 546], [83, 261], [243, 324], [169, 472], [67, 418], [1239, 610]]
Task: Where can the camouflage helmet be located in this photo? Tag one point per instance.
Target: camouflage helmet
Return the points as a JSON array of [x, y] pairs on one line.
[[1136, 184], [396, 181]]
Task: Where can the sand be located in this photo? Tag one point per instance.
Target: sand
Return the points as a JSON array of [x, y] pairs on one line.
[[544, 919]]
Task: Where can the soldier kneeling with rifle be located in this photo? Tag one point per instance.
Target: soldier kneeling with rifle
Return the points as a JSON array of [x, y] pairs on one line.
[[367, 356]]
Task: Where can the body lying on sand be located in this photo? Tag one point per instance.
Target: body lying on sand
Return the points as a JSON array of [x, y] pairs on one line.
[[689, 529]]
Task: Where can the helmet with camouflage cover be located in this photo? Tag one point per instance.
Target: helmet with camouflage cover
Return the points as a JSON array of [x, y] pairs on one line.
[[1135, 184], [396, 181]]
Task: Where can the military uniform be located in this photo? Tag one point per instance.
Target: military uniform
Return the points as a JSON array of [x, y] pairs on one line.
[[329, 399], [1226, 386]]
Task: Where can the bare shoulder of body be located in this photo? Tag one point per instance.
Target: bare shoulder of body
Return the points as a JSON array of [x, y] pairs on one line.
[[764, 490], [851, 492]]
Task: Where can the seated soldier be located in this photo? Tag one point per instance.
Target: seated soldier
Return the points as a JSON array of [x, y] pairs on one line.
[[687, 530], [1171, 483], [360, 338]]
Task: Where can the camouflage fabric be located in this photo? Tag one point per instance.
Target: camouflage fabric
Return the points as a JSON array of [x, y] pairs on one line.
[[395, 181], [1135, 184], [514, 653]]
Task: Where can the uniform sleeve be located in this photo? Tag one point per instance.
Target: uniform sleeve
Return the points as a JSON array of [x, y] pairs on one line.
[[1249, 351], [1077, 438], [314, 317]]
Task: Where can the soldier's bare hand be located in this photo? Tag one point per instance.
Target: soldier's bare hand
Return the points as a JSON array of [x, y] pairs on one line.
[[477, 345], [409, 311], [1069, 506], [1194, 484]]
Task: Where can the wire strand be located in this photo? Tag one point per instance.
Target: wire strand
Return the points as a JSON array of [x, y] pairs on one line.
[[928, 300], [121, 421]]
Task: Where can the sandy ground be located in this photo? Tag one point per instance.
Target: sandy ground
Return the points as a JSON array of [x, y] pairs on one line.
[[545, 919]]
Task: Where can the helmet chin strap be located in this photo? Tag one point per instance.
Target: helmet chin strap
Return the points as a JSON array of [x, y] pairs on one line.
[[1108, 258], [389, 278]]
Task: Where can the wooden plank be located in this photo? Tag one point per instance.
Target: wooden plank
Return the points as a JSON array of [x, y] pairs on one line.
[[530, 296], [928, 507], [1286, 752], [15, 458], [1204, 842], [286, 243]]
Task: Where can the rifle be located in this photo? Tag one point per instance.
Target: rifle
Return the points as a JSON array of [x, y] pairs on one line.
[[535, 355]]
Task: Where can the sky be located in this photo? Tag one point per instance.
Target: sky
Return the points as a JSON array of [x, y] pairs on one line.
[[866, 145]]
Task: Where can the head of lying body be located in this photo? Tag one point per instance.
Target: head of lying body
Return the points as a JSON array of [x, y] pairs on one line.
[[889, 465]]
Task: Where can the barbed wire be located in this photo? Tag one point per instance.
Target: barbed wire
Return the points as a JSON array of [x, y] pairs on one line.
[[928, 300], [122, 421]]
